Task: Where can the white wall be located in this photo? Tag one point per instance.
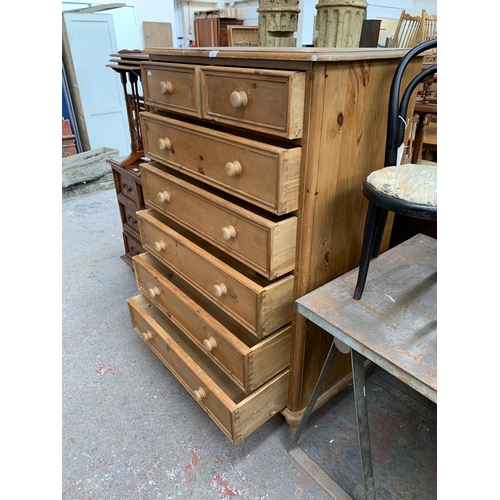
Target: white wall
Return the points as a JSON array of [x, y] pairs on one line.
[[128, 20]]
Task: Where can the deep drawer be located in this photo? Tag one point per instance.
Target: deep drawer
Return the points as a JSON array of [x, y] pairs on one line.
[[265, 175], [236, 414], [259, 305], [173, 87], [266, 245], [260, 100], [246, 361]]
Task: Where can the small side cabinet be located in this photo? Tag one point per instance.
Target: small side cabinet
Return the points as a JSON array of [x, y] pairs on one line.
[[128, 187]]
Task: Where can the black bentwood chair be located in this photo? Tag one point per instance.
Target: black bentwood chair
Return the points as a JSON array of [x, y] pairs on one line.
[[405, 189]]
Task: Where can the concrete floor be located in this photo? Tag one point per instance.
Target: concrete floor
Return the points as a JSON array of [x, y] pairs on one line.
[[130, 431]]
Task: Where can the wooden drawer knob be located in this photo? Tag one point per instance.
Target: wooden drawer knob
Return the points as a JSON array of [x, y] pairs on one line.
[[233, 168], [160, 245], [153, 292], [228, 232], [163, 197], [210, 344], [238, 99], [199, 394], [219, 290], [164, 144], [166, 88], [146, 336]]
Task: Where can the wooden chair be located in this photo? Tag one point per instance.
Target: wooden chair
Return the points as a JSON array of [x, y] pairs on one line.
[[405, 189], [412, 30], [408, 31], [429, 31]]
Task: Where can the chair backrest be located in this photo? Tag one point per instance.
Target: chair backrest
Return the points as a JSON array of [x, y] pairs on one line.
[[398, 106], [408, 31], [429, 26], [429, 31]]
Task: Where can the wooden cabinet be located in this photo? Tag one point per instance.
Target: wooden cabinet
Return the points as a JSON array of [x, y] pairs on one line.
[[130, 199], [126, 171], [253, 199], [214, 32]]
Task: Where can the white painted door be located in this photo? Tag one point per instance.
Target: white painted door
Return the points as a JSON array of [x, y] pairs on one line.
[[92, 39]]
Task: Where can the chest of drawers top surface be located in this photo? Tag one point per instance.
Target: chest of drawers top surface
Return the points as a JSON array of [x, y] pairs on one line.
[[273, 54]]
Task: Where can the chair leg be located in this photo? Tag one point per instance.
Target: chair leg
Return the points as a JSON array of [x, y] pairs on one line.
[[379, 231], [372, 216]]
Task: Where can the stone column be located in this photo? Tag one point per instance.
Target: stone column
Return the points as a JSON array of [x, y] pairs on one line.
[[278, 22], [339, 22]]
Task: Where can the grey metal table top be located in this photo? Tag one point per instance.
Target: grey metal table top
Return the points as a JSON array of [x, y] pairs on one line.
[[395, 322]]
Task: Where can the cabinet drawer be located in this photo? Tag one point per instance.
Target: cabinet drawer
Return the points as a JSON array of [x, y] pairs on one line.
[[266, 245], [173, 87], [267, 101], [235, 413], [259, 305], [264, 175], [131, 243], [247, 362], [128, 185], [129, 216]]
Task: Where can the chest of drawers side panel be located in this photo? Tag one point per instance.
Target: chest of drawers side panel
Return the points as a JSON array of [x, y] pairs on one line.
[[347, 102]]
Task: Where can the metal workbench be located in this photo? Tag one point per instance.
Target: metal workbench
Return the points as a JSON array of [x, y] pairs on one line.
[[394, 325]]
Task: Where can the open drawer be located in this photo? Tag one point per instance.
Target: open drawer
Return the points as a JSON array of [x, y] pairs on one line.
[[265, 244], [236, 414], [259, 305], [248, 362]]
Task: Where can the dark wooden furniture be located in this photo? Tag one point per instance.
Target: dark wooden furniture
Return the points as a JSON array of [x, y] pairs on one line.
[[126, 173], [214, 32], [370, 32], [128, 187]]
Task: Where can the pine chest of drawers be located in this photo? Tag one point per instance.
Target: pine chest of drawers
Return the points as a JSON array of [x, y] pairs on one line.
[[253, 198]]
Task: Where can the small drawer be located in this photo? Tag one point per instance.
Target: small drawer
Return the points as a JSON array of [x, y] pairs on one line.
[[248, 362], [129, 217], [235, 413], [131, 243], [172, 87], [259, 305], [262, 174], [260, 100], [128, 185], [265, 244]]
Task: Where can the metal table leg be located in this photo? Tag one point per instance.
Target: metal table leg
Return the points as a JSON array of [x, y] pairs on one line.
[[358, 377], [314, 397]]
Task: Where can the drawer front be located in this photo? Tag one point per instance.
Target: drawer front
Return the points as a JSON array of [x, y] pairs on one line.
[[261, 174], [267, 101], [225, 344], [173, 87], [131, 243], [129, 217], [260, 306], [127, 186], [262, 244], [234, 413]]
